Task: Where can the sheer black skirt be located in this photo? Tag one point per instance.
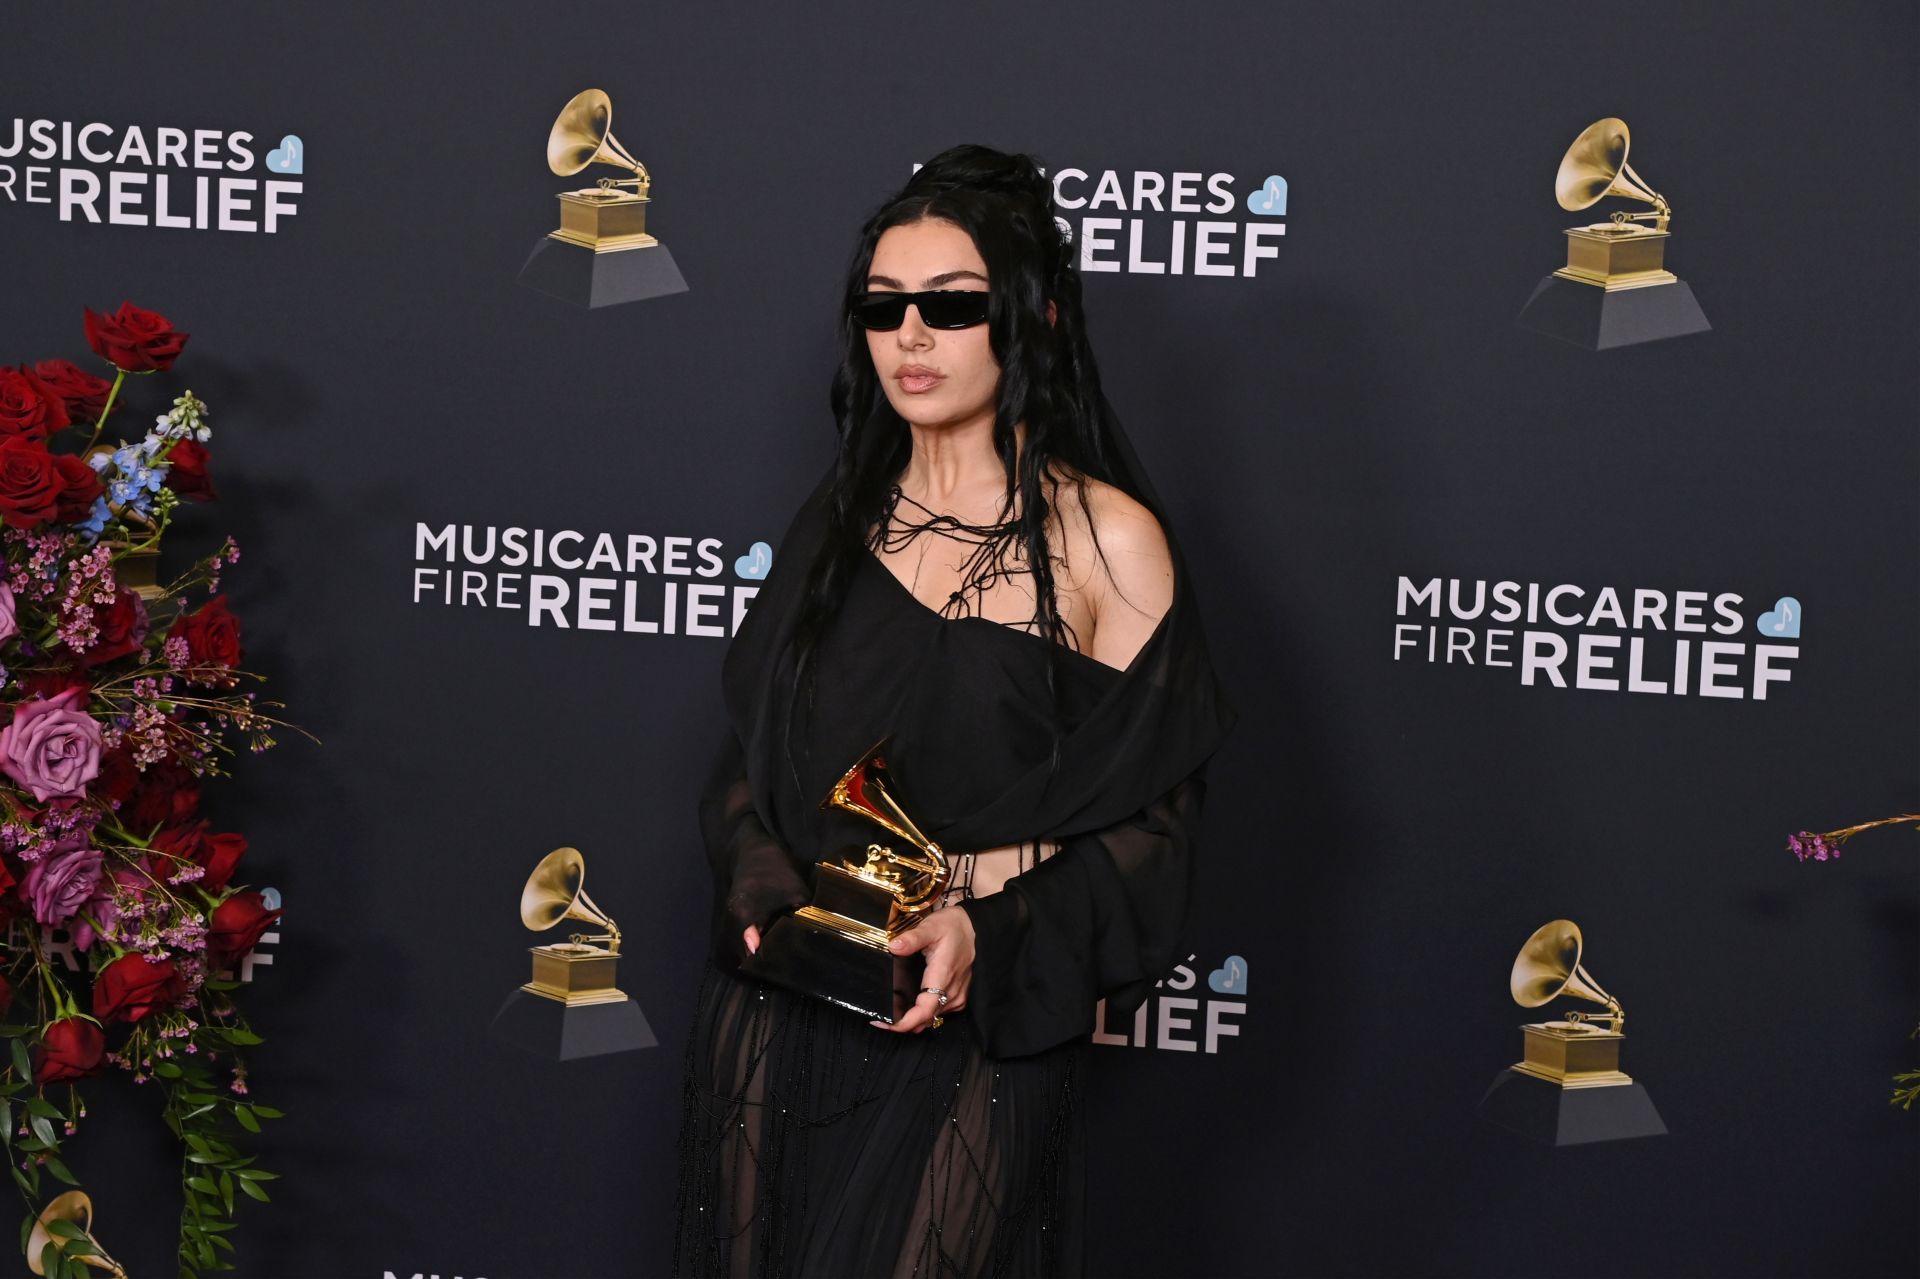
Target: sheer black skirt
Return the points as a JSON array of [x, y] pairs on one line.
[[814, 1144]]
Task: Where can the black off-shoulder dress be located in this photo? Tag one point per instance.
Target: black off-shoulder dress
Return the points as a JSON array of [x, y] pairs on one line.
[[813, 1143]]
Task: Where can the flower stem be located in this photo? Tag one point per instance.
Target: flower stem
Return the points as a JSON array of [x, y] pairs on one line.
[[119, 376]]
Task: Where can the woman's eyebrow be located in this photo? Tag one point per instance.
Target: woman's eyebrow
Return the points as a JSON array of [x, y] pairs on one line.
[[932, 282]]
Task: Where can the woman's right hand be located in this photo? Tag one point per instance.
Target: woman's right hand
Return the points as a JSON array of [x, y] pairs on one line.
[[753, 939]]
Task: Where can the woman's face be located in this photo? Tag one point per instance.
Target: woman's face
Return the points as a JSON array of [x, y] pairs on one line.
[[934, 377]]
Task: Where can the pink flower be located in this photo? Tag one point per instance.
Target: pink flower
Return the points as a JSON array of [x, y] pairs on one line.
[[62, 881], [9, 626], [51, 748]]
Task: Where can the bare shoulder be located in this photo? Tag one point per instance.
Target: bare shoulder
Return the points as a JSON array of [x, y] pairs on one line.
[[1118, 559]]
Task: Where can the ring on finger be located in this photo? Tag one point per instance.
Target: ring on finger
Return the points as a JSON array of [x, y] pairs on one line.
[[938, 993]]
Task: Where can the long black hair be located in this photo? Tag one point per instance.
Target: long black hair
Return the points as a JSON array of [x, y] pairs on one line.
[[1048, 380]]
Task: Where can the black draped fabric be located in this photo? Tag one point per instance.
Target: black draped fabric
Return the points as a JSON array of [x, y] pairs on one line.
[[815, 1144]]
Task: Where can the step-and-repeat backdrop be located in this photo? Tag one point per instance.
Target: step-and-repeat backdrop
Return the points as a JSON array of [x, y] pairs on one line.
[[1542, 596]]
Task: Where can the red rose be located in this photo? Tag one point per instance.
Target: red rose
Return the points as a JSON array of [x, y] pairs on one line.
[[29, 406], [122, 625], [31, 485], [71, 1049], [218, 855], [187, 472], [168, 793], [118, 775], [83, 485], [133, 986], [213, 633], [83, 393], [236, 927], [133, 339], [51, 682]]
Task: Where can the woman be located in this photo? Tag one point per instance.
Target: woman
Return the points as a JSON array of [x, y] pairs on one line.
[[985, 575]]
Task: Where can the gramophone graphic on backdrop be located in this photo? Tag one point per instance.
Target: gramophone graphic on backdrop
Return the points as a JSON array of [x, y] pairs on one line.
[[1567, 1089], [1615, 289], [571, 1008], [602, 253]]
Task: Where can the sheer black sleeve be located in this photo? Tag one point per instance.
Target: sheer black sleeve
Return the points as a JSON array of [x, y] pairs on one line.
[[754, 876], [1100, 919]]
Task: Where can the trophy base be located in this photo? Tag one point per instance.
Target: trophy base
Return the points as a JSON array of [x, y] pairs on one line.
[[575, 273], [809, 957], [1551, 1115], [549, 1029], [1599, 318]]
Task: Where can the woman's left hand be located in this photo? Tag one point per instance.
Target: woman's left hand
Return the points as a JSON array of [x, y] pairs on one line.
[[946, 938]]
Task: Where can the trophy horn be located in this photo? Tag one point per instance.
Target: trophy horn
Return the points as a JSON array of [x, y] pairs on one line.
[[867, 790], [557, 890], [1548, 966], [1595, 167], [75, 1206], [583, 135]]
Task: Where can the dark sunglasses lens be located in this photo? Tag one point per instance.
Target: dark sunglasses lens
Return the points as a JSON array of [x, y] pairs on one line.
[[956, 309], [880, 310]]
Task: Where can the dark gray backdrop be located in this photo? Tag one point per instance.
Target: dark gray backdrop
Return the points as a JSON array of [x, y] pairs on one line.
[[1382, 834]]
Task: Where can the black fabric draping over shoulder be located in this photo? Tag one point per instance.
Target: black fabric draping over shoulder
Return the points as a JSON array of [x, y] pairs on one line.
[[813, 1143]]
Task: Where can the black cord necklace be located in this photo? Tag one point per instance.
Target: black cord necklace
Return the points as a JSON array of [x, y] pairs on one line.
[[993, 546]]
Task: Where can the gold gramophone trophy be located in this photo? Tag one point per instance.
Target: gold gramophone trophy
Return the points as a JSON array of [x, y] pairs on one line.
[[571, 1008], [835, 947], [601, 217], [1568, 1087], [579, 970], [76, 1207], [1573, 1053], [1623, 254], [602, 253]]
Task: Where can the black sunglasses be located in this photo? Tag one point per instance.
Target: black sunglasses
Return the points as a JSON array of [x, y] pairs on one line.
[[939, 308]]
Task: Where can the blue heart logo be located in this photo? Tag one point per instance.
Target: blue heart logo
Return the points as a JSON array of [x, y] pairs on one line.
[[1783, 622], [755, 563], [1271, 199], [289, 157], [1230, 978]]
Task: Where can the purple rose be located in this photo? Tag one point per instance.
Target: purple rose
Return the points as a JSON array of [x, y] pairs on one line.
[[51, 748], [63, 880], [9, 625]]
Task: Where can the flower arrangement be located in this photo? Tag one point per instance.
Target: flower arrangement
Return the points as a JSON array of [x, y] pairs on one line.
[[124, 917], [1825, 846]]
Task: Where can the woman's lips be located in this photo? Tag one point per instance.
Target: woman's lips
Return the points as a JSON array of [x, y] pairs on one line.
[[916, 381]]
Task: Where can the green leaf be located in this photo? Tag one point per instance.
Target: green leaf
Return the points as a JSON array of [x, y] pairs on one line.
[[204, 1185], [255, 1174], [268, 1112], [167, 1070], [246, 1119], [59, 1170], [41, 1106], [21, 1061], [254, 1190], [226, 1192], [199, 1143], [66, 1229], [220, 985], [244, 1038], [50, 1258], [43, 1130], [223, 1242], [31, 1145]]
